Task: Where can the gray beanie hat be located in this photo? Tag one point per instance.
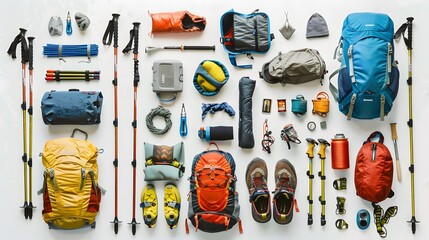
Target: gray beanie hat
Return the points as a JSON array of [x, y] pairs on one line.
[[317, 27]]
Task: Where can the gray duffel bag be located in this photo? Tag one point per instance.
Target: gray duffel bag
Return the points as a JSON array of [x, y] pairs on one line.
[[294, 67]]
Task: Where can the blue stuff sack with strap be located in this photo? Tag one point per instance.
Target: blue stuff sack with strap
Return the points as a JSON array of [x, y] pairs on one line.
[[72, 107], [245, 34], [368, 77]]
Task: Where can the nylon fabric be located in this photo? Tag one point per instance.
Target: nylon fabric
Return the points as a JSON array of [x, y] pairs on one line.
[[374, 171], [181, 21], [245, 34], [71, 200], [213, 201], [71, 107], [368, 69]]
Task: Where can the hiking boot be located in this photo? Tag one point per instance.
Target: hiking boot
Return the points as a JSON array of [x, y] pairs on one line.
[[284, 194], [256, 180], [149, 203], [171, 205]]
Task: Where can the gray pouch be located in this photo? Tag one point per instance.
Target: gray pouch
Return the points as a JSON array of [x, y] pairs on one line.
[[287, 30], [164, 162]]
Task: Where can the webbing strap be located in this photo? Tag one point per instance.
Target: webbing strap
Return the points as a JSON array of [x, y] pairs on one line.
[[351, 106], [389, 63], [332, 88], [108, 34], [382, 102], [351, 67], [233, 60]]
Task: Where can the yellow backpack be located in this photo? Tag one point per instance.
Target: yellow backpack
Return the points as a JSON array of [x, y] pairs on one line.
[[71, 195]]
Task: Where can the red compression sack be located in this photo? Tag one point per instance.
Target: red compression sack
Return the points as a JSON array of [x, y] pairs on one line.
[[374, 170], [182, 21]]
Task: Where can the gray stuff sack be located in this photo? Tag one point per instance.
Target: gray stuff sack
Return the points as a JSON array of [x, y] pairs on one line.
[[295, 67]]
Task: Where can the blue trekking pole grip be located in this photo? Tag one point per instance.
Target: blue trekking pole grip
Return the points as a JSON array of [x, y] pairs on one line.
[[183, 125]]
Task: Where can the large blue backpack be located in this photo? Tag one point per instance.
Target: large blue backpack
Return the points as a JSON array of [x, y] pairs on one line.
[[368, 76]]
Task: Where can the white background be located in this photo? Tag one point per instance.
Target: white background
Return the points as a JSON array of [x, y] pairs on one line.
[[35, 15]]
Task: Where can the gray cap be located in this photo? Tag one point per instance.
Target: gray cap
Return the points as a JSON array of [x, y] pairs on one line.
[[55, 26], [317, 27]]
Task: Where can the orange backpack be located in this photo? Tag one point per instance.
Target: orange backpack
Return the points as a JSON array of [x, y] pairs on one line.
[[213, 201], [374, 170]]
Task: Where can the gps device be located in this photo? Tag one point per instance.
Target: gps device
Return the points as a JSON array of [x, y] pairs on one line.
[[167, 79]]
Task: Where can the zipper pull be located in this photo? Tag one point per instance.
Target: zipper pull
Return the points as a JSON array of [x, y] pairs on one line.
[[374, 150], [52, 176], [82, 182]]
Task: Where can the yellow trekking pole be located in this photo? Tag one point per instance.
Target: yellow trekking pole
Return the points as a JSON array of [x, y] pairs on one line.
[[310, 154], [408, 42], [322, 155], [20, 38]]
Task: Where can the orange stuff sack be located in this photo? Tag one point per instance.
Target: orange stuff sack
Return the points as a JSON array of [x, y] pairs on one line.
[[182, 21], [213, 201], [374, 170]]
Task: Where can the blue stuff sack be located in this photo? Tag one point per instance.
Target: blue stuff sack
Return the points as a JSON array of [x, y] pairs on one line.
[[72, 107]]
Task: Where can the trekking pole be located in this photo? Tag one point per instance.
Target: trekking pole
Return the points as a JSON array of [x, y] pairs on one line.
[[310, 154], [134, 36], [395, 139], [409, 42], [30, 207], [181, 47], [322, 155], [413, 220], [112, 32], [20, 38]]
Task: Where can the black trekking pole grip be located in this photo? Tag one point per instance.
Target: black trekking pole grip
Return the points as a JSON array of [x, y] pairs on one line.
[[115, 29], [410, 32], [136, 37], [199, 47], [136, 73], [23, 46], [30, 53]]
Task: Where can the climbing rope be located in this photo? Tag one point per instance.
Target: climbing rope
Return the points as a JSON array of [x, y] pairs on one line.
[[159, 111]]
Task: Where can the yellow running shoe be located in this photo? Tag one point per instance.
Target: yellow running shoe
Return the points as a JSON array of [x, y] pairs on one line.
[[149, 204], [171, 205]]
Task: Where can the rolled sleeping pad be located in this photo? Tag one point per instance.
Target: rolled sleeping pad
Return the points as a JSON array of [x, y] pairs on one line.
[[216, 133]]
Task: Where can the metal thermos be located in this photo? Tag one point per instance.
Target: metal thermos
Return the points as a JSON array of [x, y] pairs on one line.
[[340, 152]]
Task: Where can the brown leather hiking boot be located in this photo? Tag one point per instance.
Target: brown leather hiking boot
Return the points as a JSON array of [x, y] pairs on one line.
[[284, 194], [256, 180]]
